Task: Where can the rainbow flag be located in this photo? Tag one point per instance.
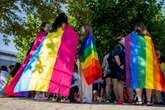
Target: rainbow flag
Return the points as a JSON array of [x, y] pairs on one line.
[[50, 68], [89, 60], [142, 66], [10, 88]]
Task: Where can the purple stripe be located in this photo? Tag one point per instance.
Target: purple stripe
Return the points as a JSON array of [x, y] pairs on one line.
[[127, 59]]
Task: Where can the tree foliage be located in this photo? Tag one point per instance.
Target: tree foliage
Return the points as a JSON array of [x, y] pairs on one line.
[[21, 19], [111, 18]]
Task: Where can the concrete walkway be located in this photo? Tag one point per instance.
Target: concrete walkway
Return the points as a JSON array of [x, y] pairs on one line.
[[28, 104]]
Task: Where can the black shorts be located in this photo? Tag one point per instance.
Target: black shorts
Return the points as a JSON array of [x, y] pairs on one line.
[[112, 74], [96, 86], [119, 73]]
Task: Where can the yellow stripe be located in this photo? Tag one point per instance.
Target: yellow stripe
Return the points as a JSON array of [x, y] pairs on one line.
[[149, 63], [88, 61], [43, 70]]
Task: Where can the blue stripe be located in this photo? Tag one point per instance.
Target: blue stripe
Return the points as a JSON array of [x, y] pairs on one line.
[[89, 40], [134, 59]]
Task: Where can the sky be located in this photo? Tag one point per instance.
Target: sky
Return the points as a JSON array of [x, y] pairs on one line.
[[10, 48]]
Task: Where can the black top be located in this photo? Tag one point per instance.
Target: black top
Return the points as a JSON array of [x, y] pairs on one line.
[[119, 50]]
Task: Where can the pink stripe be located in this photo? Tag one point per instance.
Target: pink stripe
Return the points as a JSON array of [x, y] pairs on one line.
[[10, 88], [63, 69]]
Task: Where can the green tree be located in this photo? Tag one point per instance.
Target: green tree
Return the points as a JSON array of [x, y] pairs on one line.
[[111, 18], [21, 19], [26, 36]]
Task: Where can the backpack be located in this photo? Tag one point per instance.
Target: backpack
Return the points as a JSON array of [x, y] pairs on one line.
[[111, 59]]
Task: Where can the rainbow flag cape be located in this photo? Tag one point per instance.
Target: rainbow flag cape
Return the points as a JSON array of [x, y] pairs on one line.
[[89, 60], [142, 67], [10, 88], [50, 68]]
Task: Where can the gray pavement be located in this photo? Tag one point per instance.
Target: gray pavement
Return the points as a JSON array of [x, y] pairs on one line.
[[28, 104]]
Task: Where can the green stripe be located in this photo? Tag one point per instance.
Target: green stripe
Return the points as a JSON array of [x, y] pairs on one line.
[[141, 61], [87, 52]]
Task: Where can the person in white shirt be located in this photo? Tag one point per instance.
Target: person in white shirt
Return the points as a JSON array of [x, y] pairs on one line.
[[4, 75]]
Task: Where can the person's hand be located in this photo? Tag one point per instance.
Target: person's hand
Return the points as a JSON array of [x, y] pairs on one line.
[[122, 67], [104, 75]]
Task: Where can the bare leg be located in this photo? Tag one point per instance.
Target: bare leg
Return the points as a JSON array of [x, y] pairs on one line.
[[120, 89], [139, 96], [114, 81], [108, 88], [149, 93], [157, 96], [130, 95]]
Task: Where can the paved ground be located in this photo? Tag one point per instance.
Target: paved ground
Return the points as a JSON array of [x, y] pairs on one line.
[[27, 104]]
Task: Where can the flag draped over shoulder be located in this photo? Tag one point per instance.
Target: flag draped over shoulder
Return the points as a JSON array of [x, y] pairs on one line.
[[142, 66], [10, 88], [50, 68], [89, 60]]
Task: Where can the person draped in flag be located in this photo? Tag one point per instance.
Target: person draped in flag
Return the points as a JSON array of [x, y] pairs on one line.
[[17, 73], [89, 66], [51, 66], [141, 29], [142, 66]]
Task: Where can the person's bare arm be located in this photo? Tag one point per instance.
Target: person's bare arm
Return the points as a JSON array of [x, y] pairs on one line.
[[117, 59]]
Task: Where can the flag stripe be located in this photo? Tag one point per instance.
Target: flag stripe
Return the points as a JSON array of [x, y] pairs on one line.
[[149, 63], [10, 88], [141, 61], [89, 60], [87, 52], [64, 65], [134, 60], [142, 64]]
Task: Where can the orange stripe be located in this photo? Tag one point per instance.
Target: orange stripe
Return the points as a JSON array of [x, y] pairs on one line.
[[91, 70], [158, 78], [93, 62]]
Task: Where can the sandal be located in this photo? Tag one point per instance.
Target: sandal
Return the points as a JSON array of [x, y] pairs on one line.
[[149, 103], [138, 101]]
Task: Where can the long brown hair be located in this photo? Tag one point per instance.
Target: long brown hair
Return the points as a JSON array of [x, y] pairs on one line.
[[139, 27], [88, 29]]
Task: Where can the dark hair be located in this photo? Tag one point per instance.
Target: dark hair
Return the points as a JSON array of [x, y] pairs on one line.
[[11, 67], [139, 27], [4, 68], [162, 59], [42, 26], [14, 71], [60, 19]]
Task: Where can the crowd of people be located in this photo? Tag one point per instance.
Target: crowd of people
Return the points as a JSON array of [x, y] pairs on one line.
[[6, 74], [110, 88]]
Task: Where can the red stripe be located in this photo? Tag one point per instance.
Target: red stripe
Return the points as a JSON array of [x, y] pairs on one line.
[[92, 73]]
